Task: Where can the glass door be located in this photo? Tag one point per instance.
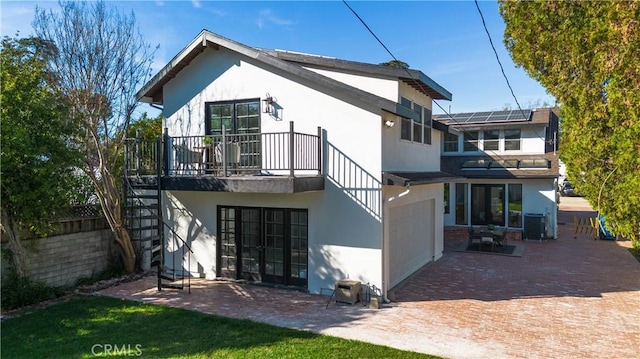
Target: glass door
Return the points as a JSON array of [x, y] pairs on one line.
[[487, 204], [242, 122], [227, 253], [274, 245], [251, 245], [268, 245]]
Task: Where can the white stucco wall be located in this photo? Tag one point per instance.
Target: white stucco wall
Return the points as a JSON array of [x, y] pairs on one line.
[[532, 142], [345, 229], [406, 156], [337, 248]]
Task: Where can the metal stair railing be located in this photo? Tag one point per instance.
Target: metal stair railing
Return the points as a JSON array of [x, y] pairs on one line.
[[129, 193]]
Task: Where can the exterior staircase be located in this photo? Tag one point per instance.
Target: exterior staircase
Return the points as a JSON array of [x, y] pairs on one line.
[[143, 218]]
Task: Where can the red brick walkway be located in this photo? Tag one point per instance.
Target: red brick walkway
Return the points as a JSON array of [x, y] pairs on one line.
[[565, 298]]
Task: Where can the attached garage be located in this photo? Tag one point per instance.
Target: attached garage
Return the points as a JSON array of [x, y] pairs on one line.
[[412, 238]]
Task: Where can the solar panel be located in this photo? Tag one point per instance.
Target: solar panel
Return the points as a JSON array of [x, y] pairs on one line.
[[486, 117]]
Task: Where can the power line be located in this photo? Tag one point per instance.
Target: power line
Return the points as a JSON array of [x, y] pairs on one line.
[[418, 83], [484, 24]]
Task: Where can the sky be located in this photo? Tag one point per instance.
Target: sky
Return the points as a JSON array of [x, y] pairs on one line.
[[443, 39]]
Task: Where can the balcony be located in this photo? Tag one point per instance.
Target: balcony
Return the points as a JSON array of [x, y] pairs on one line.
[[275, 162]]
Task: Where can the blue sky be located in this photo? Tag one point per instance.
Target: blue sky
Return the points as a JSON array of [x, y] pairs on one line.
[[443, 39]]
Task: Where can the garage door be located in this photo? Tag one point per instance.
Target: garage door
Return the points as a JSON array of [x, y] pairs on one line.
[[411, 239]]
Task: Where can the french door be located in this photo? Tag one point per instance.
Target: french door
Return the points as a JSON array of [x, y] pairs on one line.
[[241, 119], [487, 204], [272, 242]]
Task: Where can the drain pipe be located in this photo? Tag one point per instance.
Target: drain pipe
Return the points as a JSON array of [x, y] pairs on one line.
[[385, 237]]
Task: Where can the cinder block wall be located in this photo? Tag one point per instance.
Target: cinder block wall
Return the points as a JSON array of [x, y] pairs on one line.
[[62, 260]]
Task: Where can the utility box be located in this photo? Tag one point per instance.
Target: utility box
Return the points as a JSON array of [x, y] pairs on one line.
[[534, 226], [348, 291]]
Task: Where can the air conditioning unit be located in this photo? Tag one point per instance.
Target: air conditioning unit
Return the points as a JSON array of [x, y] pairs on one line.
[[348, 291]]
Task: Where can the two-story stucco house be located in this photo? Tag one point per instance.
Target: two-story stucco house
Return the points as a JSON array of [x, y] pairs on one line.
[[331, 168], [510, 166]]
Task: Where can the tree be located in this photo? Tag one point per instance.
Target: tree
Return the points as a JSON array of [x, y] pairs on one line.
[[102, 60], [147, 128], [396, 63], [587, 55], [38, 156]]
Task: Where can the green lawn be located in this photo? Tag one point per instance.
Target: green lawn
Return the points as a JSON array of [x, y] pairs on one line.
[[84, 326]]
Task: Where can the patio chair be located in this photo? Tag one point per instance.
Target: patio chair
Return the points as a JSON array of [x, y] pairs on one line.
[[487, 237], [231, 154], [474, 237], [186, 157]]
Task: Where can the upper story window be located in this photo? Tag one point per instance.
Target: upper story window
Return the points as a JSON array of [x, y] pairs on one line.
[[450, 142], [471, 141], [512, 139], [419, 129], [491, 140]]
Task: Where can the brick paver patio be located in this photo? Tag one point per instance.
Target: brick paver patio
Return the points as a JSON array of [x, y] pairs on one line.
[[565, 298]]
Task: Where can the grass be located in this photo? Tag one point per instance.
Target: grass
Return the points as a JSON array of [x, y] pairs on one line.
[[82, 327]]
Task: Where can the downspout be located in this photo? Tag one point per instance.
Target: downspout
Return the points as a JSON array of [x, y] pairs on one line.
[[385, 253], [156, 107]]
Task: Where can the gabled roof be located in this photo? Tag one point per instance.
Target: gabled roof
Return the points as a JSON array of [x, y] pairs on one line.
[[151, 92], [413, 78]]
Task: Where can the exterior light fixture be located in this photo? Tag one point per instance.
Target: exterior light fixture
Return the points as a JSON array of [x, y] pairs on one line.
[[268, 104], [389, 123]]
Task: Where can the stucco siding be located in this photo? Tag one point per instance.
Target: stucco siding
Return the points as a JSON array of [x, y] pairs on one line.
[[404, 155], [337, 247]]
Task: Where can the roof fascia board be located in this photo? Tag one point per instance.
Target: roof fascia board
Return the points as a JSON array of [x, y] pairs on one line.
[[365, 68], [206, 36]]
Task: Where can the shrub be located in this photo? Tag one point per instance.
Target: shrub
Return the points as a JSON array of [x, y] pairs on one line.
[[22, 291]]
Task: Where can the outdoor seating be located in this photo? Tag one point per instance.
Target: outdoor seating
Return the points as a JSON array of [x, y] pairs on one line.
[[230, 156], [186, 157], [474, 237], [486, 236]]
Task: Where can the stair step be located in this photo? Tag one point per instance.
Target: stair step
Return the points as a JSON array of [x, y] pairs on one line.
[[144, 228], [152, 206], [172, 286], [142, 196], [146, 216]]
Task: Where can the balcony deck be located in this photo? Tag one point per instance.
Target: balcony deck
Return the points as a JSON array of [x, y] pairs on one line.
[[284, 162]]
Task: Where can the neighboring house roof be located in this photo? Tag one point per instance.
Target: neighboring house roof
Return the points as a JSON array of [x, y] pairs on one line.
[[504, 166], [151, 92], [473, 121]]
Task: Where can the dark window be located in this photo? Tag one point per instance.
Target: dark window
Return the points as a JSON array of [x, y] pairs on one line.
[[461, 203], [491, 140], [419, 128], [471, 141], [427, 122], [515, 205], [417, 123], [405, 129], [450, 142], [512, 140]]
